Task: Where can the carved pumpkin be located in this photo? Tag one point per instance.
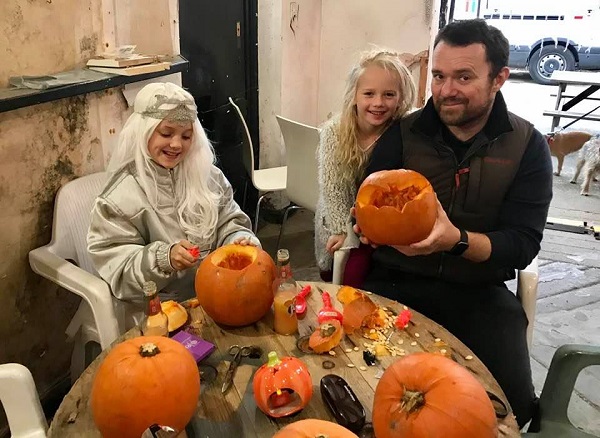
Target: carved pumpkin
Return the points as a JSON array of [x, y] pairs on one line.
[[282, 386], [425, 394], [312, 428], [234, 284], [327, 336], [143, 381], [396, 207]]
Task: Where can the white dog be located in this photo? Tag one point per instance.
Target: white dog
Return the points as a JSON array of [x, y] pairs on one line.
[[589, 160]]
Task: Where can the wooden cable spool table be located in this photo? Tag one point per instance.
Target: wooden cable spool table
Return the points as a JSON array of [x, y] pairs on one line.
[[235, 414]]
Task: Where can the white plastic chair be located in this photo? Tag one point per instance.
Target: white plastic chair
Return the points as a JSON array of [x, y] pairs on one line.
[[21, 402], [302, 188], [266, 181], [527, 286], [65, 261]]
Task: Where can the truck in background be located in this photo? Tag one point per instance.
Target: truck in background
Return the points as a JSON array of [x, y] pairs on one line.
[[548, 35]]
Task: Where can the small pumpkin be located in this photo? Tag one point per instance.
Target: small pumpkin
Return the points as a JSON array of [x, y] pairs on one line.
[[177, 316], [144, 381], [234, 284], [327, 336], [313, 428], [425, 394], [396, 207], [282, 386]]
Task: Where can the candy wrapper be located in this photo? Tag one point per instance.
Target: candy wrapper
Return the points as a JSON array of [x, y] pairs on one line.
[[195, 345]]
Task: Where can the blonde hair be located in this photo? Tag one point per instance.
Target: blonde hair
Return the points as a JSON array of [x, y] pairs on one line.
[[197, 195], [349, 154]]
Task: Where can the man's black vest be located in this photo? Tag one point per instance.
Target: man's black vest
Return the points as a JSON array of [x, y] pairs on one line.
[[471, 193]]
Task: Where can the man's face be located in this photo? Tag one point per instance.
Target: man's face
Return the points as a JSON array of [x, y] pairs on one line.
[[462, 90]]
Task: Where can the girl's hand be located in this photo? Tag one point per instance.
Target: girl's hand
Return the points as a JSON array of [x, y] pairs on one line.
[[244, 241], [335, 242], [180, 256]]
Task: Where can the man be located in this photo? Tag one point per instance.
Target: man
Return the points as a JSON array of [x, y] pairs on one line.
[[492, 174]]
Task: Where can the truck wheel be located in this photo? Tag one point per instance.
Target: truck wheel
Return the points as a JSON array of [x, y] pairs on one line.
[[547, 59]]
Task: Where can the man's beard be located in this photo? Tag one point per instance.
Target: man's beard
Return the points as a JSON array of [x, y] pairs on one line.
[[466, 116]]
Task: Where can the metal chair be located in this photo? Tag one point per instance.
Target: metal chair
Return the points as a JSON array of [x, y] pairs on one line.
[[266, 181], [568, 361], [100, 318], [21, 403], [302, 188]]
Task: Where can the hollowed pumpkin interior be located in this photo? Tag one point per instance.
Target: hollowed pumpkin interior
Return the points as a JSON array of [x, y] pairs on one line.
[[237, 260], [394, 196], [286, 401]]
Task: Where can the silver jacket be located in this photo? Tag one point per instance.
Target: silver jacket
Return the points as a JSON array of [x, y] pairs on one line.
[[129, 242]]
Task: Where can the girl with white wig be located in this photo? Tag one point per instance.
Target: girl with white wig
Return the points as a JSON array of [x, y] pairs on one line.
[[165, 201]]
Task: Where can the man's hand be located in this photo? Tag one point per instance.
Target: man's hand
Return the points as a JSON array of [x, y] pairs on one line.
[[443, 237], [335, 242], [180, 256]]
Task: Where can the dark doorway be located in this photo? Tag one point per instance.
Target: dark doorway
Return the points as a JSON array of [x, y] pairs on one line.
[[220, 40]]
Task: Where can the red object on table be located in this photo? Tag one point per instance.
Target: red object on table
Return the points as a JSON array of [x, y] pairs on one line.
[[301, 299], [403, 319], [328, 311]]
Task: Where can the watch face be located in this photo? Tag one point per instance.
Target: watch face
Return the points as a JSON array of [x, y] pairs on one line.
[[459, 248]]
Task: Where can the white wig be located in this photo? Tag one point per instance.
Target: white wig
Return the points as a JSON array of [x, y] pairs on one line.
[[197, 196]]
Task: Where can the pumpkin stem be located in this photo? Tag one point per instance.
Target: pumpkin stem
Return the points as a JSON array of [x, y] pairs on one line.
[[412, 401], [321, 435], [149, 349], [273, 359]]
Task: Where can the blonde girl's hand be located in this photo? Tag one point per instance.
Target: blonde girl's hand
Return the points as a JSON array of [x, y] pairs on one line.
[[181, 257], [335, 242], [244, 241]]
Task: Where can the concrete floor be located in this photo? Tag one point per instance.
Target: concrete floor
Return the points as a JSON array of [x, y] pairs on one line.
[[568, 309]]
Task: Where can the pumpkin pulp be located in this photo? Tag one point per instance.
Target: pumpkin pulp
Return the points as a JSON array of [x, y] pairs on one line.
[[236, 261], [394, 196]]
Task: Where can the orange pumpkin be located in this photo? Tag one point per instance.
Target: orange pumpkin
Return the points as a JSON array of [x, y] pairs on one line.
[[425, 394], [396, 207], [144, 381], [234, 284], [282, 386], [313, 428], [327, 336], [177, 316]]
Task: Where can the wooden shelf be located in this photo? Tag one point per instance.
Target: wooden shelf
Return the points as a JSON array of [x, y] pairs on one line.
[[22, 97]]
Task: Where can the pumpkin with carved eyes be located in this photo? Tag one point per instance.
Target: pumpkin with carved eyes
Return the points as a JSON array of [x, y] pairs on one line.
[[395, 207]]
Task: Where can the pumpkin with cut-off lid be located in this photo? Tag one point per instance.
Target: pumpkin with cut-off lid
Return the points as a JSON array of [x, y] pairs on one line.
[[234, 284], [395, 207]]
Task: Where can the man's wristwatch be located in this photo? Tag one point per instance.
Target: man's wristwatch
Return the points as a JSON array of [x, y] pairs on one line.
[[462, 245]]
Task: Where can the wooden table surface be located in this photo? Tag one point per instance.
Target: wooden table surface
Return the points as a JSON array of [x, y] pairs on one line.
[[235, 414]]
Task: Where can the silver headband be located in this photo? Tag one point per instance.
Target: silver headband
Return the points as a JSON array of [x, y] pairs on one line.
[[171, 109]]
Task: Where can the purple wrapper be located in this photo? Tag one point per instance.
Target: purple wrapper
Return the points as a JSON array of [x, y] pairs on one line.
[[195, 345]]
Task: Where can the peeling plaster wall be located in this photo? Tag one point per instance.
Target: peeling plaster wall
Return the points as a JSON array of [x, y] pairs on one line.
[[44, 146]]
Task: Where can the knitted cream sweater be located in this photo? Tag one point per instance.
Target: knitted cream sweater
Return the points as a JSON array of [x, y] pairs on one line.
[[336, 195]]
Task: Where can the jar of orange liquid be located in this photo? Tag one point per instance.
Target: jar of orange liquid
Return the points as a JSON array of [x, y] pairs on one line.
[[285, 321]]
